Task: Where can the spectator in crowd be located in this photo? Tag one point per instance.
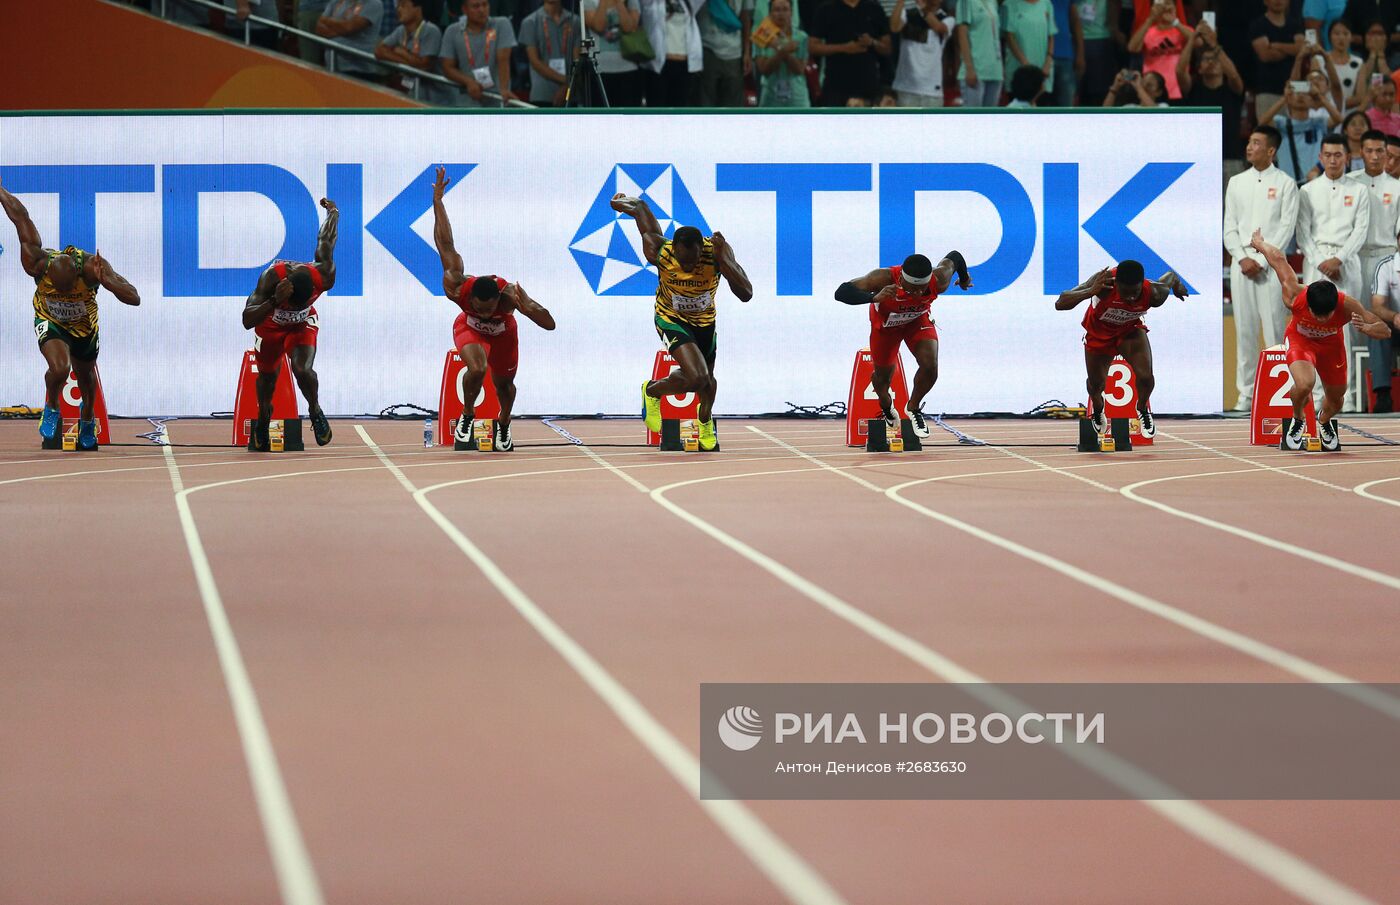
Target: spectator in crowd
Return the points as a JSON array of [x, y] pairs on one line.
[[1028, 27], [1385, 303], [1315, 67], [1027, 85], [724, 34], [1382, 112], [1265, 198], [1303, 122], [675, 37], [1333, 223], [918, 80], [980, 71], [1100, 53], [1160, 39], [550, 36], [1276, 38], [1069, 52], [1383, 194], [236, 19], [1320, 15], [608, 21], [307, 14], [1354, 126], [1345, 64], [851, 35], [1392, 155], [417, 43], [354, 24], [1217, 83], [1361, 13], [1137, 89], [886, 99], [1375, 68], [781, 60], [476, 55]]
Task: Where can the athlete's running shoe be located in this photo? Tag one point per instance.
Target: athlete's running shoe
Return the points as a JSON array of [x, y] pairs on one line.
[[503, 440], [258, 440], [462, 433], [320, 427], [87, 435], [1147, 424], [1327, 433], [1100, 422], [1294, 438], [653, 409], [916, 420], [708, 440], [50, 424], [891, 419]]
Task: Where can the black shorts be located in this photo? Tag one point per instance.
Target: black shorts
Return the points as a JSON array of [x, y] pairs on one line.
[[678, 333]]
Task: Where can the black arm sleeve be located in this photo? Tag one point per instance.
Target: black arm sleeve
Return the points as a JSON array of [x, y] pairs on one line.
[[959, 264], [849, 294]]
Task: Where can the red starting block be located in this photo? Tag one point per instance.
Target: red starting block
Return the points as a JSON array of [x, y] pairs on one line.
[[1120, 399], [678, 408], [452, 399], [245, 402], [1272, 407], [863, 406], [69, 405]]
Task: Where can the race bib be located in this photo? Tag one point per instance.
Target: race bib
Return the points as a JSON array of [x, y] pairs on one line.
[[558, 64], [486, 327], [691, 304], [1119, 316], [900, 318], [65, 310], [287, 316], [482, 75], [1312, 332]]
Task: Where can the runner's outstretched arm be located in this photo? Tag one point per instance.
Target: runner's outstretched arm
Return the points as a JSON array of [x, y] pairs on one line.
[[529, 307], [325, 244], [1091, 287], [952, 263], [97, 270], [31, 247], [862, 290], [1286, 277], [1365, 321], [452, 276], [1167, 285], [647, 224], [728, 267]]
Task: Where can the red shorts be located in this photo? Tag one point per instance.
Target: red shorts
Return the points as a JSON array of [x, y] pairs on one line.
[[502, 349], [1329, 358], [884, 341], [1107, 343], [273, 340]]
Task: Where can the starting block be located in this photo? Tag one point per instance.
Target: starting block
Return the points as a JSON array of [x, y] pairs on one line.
[[1312, 440], [877, 437], [283, 435], [245, 400], [452, 401], [863, 406], [682, 435], [1118, 438], [483, 437], [1272, 408], [69, 405], [679, 408]]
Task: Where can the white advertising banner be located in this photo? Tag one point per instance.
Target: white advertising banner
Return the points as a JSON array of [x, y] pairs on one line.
[[192, 207]]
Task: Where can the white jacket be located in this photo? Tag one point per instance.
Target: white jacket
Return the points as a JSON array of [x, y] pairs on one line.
[[1266, 200], [654, 21], [1334, 219], [1385, 210]]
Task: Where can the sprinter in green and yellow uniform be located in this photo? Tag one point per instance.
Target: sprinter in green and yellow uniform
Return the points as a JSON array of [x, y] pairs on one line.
[[65, 316], [688, 270]]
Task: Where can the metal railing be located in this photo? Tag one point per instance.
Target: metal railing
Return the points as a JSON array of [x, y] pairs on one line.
[[421, 77]]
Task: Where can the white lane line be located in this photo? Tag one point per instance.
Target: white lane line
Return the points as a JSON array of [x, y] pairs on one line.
[[1365, 490], [1268, 860], [1253, 462], [786, 869], [296, 876]]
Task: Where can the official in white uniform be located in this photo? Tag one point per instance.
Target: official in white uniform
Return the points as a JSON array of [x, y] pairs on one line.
[[1265, 198], [1385, 304], [1384, 191], [1334, 222]]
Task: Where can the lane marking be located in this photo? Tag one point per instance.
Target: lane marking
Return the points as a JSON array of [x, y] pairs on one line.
[[1365, 490]]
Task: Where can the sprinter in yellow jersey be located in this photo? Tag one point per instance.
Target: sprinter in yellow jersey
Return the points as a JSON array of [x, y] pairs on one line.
[[65, 316], [688, 268]]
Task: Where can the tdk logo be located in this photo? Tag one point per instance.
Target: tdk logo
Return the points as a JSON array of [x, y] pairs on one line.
[[608, 247]]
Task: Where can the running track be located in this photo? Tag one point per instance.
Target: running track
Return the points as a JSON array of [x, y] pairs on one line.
[[377, 673]]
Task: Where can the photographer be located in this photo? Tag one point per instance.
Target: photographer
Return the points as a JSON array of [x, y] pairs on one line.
[[1135, 89]]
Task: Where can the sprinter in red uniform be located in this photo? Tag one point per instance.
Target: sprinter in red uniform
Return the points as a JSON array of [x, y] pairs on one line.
[[1316, 349], [899, 298], [484, 334], [280, 314], [1113, 326]]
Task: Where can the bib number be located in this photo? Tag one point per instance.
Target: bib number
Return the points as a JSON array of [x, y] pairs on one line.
[[66, 311], [692, 304], [482, 75], [558, 64], [900, 318]]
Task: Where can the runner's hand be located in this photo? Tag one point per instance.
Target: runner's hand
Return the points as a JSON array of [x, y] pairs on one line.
[[329, 205], [282, 293], [622, 203], [718, 243], [99, 265], [886, 295], [1100, 281], [440, 184]]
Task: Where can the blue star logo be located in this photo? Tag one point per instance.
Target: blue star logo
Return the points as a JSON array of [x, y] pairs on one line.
[[607, 246]]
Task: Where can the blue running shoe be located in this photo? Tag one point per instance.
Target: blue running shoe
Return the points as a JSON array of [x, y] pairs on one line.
[[87, 435], [50, 424]]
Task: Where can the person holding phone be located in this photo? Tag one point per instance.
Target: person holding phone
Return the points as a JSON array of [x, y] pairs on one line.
[[1321, 15], [1216, 83], [1275, 37], [1374, 68], [1302, 125], [1344, 63], [1382, 113], [1160, 39]]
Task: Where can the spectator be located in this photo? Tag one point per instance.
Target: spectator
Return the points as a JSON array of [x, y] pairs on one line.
[[1344, 63], [1100, 54], [1354, 126], [1027, 85], [1302, 126], [1160, 39], [1216, 84], [782, 62], [675, 36], [1028, 27], [1382, 113], [1382, 192], [886, 99], [1263, 198], [1321, 15], [1276, 38], [307, 14], [1392, 155], [354, 24], [1313, 66], [608, 21], [1069, 51], [851, 35], [1137, 89], [1385, 303], [550, 36], [1361, 13], [415, 42], [918, 80], [725, 26], [1376, 67], [1332, 224], [235, 20], [980, 71], [476, 55]]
